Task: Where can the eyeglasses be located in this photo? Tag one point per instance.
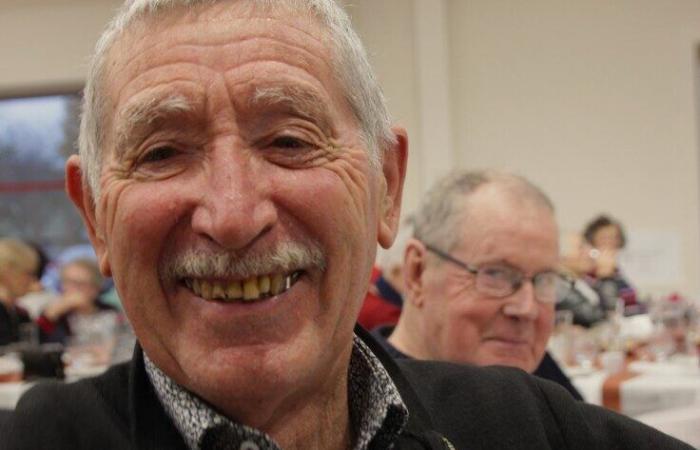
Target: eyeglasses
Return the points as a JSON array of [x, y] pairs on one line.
[[500, 281]]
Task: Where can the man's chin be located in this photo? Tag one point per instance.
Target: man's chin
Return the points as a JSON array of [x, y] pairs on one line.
[[254, 356], [507, 356]]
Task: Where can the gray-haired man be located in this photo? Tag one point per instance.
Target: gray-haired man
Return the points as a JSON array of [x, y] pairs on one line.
[[237, 168], [481, 276]]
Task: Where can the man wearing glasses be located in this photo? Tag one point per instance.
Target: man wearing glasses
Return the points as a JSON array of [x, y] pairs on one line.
[[480, 274]]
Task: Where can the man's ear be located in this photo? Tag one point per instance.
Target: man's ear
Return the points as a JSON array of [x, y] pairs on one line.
[[81, 196], [413, 268], [394, 171]]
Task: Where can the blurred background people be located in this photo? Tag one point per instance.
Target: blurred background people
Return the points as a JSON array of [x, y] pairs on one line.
[[18, 266], [384, 299], [480, 276], [583, 299], [607, 238], [38, 296], [78, 303]]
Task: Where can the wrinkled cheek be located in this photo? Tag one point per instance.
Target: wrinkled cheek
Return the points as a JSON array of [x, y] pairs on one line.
[[134, 233], [341, 217]]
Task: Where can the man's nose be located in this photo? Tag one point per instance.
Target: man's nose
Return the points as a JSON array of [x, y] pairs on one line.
[[522, 303], [235, 207]]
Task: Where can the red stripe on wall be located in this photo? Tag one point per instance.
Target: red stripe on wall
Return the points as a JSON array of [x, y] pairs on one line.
[[31, 186]]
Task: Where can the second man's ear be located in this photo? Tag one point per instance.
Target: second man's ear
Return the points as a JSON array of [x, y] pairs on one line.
[[413, 269]]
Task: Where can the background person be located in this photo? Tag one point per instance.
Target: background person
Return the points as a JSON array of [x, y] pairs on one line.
[[582, 300], [607, 238], [18, 265], [38, 296], [480, 274], [78, 304]]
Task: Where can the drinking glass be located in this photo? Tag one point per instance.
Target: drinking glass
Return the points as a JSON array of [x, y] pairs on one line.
[[585, 349]]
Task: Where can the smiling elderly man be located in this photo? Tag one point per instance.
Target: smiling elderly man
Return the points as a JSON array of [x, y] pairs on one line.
[[236, 170], [481, 277]]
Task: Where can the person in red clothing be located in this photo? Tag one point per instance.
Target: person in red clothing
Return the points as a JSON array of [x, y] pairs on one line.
[[384, 299]]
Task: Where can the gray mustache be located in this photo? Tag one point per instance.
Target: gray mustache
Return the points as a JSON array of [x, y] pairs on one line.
[[284, 258]]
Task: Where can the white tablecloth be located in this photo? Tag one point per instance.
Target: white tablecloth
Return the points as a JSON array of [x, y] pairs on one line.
[[11, 392], [682, 423], [658, 386]]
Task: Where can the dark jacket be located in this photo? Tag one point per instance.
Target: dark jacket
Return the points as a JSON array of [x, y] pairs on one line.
[[472, 408], [11, 317]]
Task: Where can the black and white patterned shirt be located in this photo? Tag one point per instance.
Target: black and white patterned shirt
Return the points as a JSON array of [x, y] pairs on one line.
[[376, 409]]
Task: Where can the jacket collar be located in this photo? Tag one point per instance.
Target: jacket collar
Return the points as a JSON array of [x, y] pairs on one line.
[[150, 427]]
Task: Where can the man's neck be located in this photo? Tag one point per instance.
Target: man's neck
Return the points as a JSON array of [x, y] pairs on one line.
[[314, 418], [316, 427], [406, 341]]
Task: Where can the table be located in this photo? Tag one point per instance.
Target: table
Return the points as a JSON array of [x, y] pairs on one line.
[[683, 423], [11, 392], [81, 361], [644, 387]]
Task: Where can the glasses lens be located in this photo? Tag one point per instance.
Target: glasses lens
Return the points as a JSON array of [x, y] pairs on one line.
[[550, 287], [496, 281]]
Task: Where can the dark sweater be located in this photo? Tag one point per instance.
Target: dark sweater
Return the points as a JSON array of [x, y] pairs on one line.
[[11, 317]]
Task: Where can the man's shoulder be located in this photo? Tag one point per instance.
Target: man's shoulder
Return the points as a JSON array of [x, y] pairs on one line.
[[89, 411], [465, 375], [471, 388], [110, 387], [509, 408]]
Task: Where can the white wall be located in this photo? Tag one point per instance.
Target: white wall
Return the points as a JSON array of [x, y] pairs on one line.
[[595, 101], [44, 44]]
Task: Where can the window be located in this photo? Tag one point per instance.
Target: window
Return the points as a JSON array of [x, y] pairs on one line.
[[37, 134]]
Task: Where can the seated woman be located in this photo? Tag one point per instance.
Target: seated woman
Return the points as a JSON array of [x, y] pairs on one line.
[[18, 263], [81, 284], [607, 238]]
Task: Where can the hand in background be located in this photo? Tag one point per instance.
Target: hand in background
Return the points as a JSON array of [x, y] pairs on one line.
[[68, 302], [606, 263]]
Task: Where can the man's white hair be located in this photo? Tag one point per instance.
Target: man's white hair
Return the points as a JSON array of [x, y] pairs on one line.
[[444, 211], [352, 67]]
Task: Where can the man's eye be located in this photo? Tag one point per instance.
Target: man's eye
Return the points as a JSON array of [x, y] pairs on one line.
[[500, 273], [159, 154], [289, 142], [547, 278]]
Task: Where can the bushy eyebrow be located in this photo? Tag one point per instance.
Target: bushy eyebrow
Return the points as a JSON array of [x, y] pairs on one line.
[[138, 118], [295, 100]]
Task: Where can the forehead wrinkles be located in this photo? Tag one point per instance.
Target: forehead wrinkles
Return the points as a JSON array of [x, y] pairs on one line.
[[511, 237], [146, 49], [192, 35]]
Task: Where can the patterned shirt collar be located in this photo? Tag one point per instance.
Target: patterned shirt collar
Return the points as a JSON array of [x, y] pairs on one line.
[[377, 411]]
